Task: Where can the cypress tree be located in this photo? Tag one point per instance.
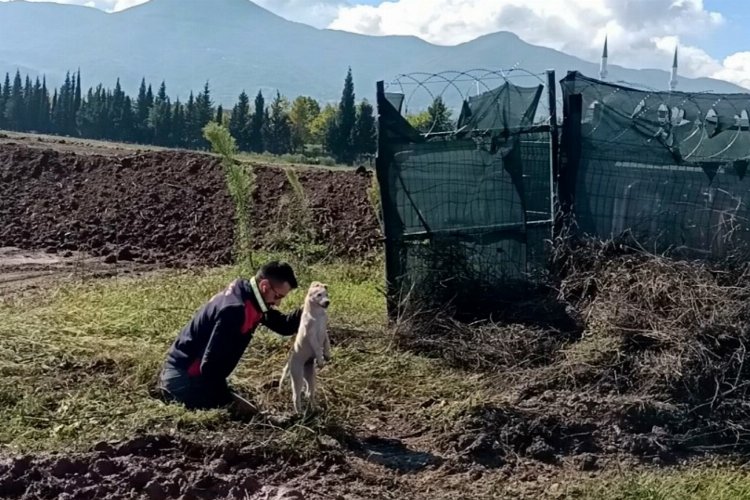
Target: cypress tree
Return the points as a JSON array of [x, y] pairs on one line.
[[204, 108], [77, 103], [77, 99], [53, 112], [257, 124], [4, 100], [279, 136], [191, 119], [127, 124], [239, 122], [178, 125], [71, 111], [87, 116], [61, 111], [27, 121], [440, 116], [142, 111], [14, 107], [365, 133], [35, 108], [340, 136], [44, 107], [161, 116], [117, 112], [220, 115]]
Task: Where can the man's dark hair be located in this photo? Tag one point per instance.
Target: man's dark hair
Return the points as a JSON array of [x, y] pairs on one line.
[[280, 272]]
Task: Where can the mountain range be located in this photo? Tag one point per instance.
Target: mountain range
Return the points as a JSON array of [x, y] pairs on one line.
[[236, 45]]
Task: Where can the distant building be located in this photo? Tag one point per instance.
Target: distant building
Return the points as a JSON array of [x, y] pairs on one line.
[[604, 71], [673, 79]]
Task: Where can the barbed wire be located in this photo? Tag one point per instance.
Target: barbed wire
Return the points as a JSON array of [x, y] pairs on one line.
[[454, 88], [695, 126]]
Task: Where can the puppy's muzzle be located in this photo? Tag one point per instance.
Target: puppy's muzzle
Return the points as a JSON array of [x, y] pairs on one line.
[[325, 304]]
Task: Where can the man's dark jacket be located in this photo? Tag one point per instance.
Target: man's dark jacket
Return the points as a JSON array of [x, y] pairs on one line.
[[212, 343]]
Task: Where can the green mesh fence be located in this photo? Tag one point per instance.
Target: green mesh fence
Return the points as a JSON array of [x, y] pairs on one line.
[[466, 212], [667, 167]]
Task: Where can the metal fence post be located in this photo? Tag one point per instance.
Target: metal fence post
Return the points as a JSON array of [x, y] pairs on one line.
[[554, 144], [382, 167], [570, 157]]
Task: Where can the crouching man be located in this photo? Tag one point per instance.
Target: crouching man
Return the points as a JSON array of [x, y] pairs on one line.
[[208, 348]]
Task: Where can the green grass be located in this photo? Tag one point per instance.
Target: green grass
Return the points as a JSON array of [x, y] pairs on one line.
[[721, 483], [293, 159], [76, 363], [297, 160]]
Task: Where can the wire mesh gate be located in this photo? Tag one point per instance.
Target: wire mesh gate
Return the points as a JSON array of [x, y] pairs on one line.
[[466, 211]]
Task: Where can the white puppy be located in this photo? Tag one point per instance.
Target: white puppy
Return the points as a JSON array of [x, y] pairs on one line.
[[310, 346]]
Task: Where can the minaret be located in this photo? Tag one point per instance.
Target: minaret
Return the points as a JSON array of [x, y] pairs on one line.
[[673, 80], [603, 67]]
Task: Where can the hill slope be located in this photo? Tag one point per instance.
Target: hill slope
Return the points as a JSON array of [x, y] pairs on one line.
[[235, 45]]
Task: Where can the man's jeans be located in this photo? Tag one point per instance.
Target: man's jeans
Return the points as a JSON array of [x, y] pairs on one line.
[[193, 392]]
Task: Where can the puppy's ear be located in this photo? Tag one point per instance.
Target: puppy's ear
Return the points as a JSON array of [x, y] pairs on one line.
[[324, 286]]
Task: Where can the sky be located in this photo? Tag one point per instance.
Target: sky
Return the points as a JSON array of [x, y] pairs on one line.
[[713, 35]]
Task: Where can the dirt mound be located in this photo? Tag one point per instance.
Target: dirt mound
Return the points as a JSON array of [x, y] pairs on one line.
[[506, 433], [165, 206], [157, 467]]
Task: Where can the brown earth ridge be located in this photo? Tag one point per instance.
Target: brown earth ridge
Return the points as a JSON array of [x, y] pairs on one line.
[[166, 207]]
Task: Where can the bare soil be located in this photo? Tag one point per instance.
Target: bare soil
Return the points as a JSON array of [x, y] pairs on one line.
[[26, 270], [649, 370], [162, 207]]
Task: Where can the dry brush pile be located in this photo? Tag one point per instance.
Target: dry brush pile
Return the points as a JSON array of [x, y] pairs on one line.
[[651, 361]]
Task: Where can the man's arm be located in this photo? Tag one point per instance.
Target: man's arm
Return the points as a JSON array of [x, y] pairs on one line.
[[283, 324], [221, 346]]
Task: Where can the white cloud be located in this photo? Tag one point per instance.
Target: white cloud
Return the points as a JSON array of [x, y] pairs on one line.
[[105, 5], [736, 68], [642, 33], [318, 13], [119, 5], [315, 13]]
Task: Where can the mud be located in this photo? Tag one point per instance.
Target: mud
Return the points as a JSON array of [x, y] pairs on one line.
[[155, 467]]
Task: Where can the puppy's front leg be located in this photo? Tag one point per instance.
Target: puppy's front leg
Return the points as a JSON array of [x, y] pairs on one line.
[[326, 346], [314, 341]]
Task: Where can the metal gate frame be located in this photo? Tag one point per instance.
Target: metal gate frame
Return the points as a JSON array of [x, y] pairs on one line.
[[387, 111]]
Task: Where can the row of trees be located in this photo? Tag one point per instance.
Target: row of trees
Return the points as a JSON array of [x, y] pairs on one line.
[[346, 131]]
